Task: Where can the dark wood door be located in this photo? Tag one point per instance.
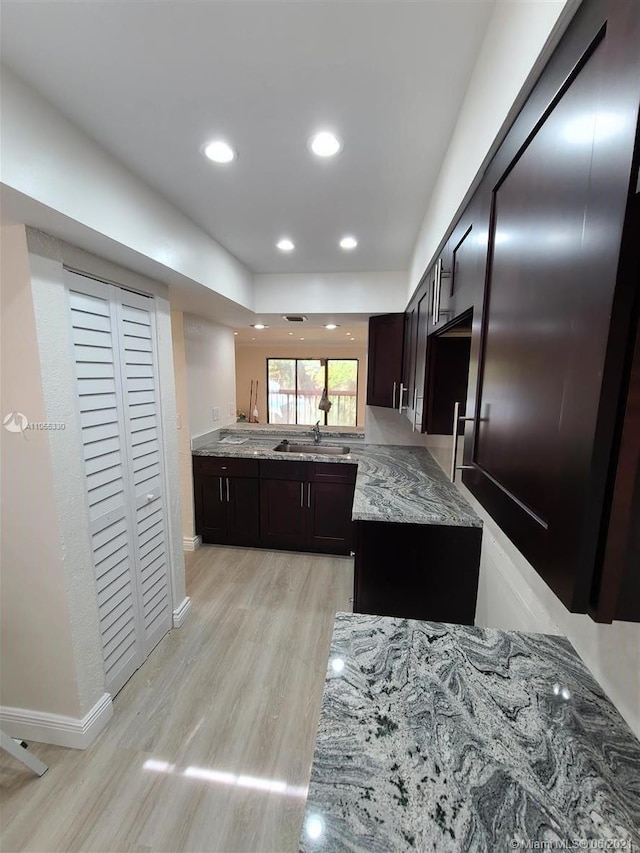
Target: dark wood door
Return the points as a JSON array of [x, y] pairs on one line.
[[409, 363], [330, 528], [422, 332], [384, 367], [243, 510], [283, 514], [210, 508], [559, 191]]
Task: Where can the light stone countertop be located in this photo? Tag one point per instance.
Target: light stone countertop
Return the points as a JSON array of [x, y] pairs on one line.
[[453, 738], [396, 484]]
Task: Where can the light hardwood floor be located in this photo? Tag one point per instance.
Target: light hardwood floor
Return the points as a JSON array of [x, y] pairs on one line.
[[211, 743]]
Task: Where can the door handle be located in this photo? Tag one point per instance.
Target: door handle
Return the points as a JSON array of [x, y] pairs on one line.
[[301, 494], [394, 395], [457, 417], [227, 489], [309, 496], [221, 498], [403, 391], [415, 406]]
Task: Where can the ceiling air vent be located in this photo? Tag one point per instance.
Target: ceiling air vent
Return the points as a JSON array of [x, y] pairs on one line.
[[294, 318]]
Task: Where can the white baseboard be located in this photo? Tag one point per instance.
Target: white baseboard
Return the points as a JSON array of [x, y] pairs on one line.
[[191, 543], [74, 732], [181, 613]]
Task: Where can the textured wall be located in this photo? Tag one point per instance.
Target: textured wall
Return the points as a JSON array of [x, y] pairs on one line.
[[37, 650]]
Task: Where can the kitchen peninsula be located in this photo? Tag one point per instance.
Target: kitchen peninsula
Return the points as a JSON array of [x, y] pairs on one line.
[[416, 540]]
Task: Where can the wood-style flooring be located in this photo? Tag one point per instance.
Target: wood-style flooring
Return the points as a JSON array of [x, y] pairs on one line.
[[211, 743]]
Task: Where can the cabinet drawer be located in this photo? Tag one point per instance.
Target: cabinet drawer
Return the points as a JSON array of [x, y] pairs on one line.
[[226, 466], [332, 472], [271, 469]]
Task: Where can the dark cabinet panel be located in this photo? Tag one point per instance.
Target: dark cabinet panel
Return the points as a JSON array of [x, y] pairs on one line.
[[417, 571], [447, 383], [210, 508], [559, 187], [283, 514], [330, 528], [419, 389], [384, 367], [405, 403], [243, 511], [227, 508]]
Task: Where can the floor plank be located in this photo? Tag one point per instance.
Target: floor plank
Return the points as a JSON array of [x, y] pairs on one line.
[[211, 743]]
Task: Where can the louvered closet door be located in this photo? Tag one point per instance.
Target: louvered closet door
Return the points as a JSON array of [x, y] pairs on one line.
[[137, 344], [95, 346]]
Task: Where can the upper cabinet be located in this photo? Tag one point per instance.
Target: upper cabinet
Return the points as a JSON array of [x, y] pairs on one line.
[[549, 366], [542, 266], [384, 368]]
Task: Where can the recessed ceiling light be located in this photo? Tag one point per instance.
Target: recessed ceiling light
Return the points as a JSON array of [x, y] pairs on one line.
[[285, 245], [235, 333], [348, 242], [219, 151], [301, 339], [325, 144], [290, 333], [331, 326], [259, 326]]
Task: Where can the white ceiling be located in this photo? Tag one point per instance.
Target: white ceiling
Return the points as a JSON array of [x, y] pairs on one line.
[[309, 332], [152, 82]]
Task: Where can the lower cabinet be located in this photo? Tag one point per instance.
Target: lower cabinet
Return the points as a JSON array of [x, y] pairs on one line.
[[289, 505], [417, 571], [227, 500]]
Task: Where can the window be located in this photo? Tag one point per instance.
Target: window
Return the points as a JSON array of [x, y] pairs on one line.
[[296, 385]]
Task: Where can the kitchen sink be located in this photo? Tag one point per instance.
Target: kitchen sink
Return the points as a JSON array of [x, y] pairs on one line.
[[321, 449]]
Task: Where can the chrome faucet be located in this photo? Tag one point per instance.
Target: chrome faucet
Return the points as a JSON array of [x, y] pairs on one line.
[[316, 433]]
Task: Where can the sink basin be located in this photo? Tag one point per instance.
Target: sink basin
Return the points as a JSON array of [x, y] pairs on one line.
[[322, 449]]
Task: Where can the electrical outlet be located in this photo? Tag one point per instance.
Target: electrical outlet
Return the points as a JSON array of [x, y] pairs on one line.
[[216, 413], [178, 421]]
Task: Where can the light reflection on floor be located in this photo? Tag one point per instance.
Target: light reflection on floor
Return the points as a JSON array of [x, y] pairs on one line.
[[256, 783]]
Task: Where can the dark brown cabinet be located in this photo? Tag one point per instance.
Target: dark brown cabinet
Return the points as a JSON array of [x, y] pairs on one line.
[[417, 571], [307, 506], [330, 505], [283, 505], [227, 506], [289, 505], [546, 373], [384, 367]]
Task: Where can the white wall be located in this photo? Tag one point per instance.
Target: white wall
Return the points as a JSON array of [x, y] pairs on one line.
[[36, 649], [183, 427], [211, 374], [511, 594], [330, 293], [47, 158], [516, 36]]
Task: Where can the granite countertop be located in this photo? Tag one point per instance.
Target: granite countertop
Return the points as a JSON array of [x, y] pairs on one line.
[[453, 738], [397, 484]]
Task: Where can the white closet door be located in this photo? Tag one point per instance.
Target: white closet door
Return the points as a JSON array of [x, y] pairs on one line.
[[137, 345], [94, 332]]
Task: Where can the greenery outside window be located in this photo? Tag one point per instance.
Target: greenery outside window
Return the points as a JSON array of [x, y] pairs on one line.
[[295, 387]]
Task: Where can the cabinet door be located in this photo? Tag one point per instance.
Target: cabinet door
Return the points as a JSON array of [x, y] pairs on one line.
[[422, 331], [409, 363], [559, 191], [211, 508], [243, 510], [330, 506], [283, 514], [384, 367]]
